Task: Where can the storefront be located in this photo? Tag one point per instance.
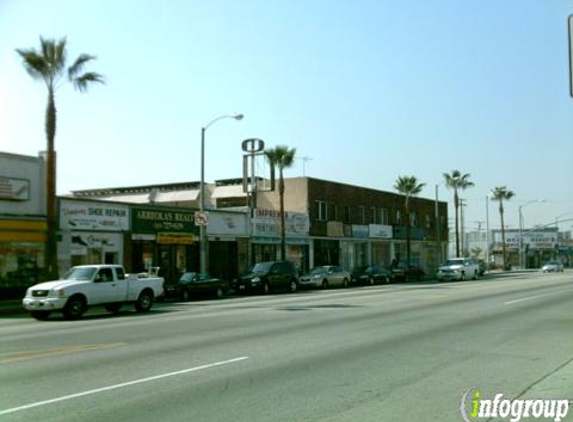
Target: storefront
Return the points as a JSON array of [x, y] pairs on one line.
[[21, 254], [228, 237], [91, 232], [266, 237], [22, 222], [164, 237]]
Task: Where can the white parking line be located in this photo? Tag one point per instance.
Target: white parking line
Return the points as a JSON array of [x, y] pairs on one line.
[[125, 384]]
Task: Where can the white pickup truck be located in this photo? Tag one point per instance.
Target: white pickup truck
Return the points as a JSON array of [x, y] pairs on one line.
[[89, 285]]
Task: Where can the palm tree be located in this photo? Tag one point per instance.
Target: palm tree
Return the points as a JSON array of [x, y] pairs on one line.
[[282, 157], [456, 181], [49, 65], [501, 194], [408, 186]]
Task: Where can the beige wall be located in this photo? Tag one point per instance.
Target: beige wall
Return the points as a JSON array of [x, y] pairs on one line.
[[296, 196]]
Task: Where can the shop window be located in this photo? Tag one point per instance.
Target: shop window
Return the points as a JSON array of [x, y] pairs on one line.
[[383, 216], [347, 214], [321, 211]]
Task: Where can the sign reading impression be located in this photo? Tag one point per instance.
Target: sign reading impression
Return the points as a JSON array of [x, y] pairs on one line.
[[14, 189], [78, 215]]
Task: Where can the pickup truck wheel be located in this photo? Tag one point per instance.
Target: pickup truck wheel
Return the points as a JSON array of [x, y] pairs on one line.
[[475, 277], [41, 315], [114, 308], [144, 302], [345, 282], [75, 307]]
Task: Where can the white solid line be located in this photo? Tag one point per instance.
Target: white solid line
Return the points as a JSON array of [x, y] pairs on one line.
[[523, 299], [125, 384]]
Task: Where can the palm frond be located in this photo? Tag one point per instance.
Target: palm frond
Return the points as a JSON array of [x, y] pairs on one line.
[[82, 82], [78, 65], [34, 63]]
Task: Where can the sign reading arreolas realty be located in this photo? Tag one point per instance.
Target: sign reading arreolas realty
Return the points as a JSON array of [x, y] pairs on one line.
[[156, 220]]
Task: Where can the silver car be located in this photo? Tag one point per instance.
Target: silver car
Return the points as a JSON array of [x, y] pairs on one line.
[[552, 267], [325, 276]]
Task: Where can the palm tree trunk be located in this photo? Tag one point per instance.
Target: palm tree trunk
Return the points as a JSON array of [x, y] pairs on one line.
[[502, 234], [408, 234], [283, 223], [51, 250], [457, 206]]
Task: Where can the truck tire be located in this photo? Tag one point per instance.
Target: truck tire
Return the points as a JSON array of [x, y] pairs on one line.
[[75, 307], [40, 315], [144, 302]]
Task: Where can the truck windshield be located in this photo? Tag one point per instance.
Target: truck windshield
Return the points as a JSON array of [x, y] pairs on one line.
[[79, 273]]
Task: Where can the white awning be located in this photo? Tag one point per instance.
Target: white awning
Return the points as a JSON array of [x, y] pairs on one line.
[[135, 198], [233, 191], [177, 196]]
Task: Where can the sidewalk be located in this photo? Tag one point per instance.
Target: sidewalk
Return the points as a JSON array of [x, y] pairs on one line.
[[11, 307]]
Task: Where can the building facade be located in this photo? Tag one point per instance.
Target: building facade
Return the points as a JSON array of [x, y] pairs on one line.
[[22, 221]]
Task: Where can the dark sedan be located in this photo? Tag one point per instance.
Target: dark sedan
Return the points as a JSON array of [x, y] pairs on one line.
[[194, 285], [370, 275], [403, 272]]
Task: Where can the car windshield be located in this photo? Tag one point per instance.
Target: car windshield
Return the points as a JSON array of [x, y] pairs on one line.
[[188, 277], [262, 268], [454, 262], [80, 273], [318, 270]]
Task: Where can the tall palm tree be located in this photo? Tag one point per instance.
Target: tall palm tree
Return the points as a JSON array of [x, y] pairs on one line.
[[456, 181], [282, 157], [501, 193], [49, 65], [408, 186]]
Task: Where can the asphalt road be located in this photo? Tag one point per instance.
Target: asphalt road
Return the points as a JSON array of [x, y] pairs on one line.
[[404, 352]]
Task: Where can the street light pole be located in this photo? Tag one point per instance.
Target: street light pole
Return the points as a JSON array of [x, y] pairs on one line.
[[202, 228], [521, 257]]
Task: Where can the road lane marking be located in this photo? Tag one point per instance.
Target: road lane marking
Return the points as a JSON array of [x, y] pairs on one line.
[[523, 299], [14, 357], [122, 385]]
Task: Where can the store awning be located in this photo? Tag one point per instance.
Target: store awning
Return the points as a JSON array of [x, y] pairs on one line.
[[234, 191]]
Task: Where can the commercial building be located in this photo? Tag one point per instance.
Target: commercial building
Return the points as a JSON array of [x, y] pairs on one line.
[[22, 221]]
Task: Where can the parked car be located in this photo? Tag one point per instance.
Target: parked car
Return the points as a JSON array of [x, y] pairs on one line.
[[403, 272], [552, 267], [265, 277], [326, 276], [371, 274], [458, 269], [194, 285]]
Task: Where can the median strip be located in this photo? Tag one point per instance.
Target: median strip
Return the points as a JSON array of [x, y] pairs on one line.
[[122, 385]]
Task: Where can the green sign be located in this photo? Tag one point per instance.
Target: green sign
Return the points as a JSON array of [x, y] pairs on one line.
[[154, 220]]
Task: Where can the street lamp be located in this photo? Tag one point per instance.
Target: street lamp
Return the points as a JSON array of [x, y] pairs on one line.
[[521, 257], [202, 243]]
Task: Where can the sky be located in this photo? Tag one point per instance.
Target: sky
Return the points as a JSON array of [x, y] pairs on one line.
[[365, 90]]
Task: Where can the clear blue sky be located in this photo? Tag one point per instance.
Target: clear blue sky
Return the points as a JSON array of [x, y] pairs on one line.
[[369, 89]]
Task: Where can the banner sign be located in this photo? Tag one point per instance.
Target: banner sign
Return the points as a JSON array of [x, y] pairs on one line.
[[268, 223], [380, 231], [79, 215], [14, 189], [156, 220]]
